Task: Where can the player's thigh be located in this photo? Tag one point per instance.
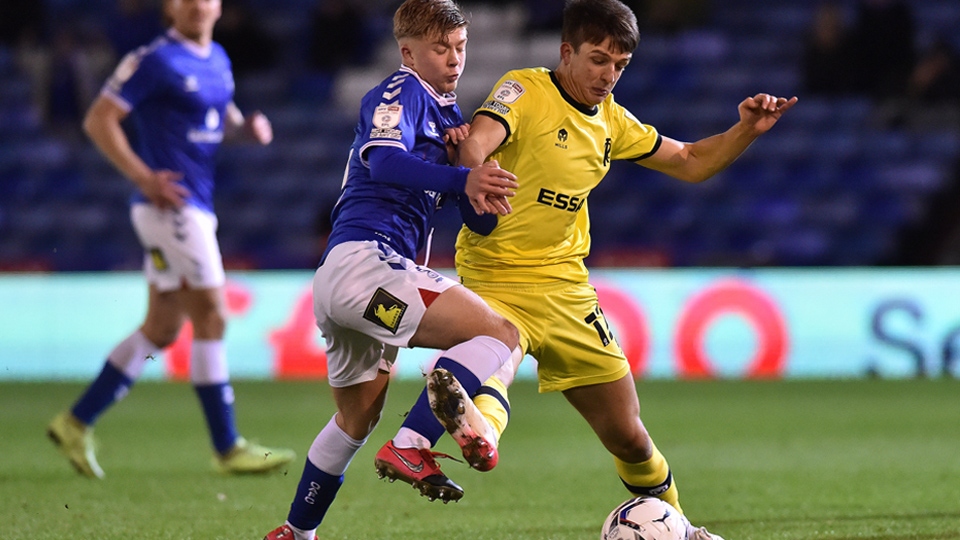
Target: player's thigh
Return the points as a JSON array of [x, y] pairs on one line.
[[369, 288], [458, 315], [353, 357], [613, 411], [180, 246], [517, 304], [578, 348]]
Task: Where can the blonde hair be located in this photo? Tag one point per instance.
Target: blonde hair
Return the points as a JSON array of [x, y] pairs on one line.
[[427, 19]]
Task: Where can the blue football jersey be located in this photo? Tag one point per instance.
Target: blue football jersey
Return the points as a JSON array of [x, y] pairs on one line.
[[405, 112], [177, 95]]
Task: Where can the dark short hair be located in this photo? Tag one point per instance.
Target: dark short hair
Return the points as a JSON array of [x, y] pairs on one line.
[[427, 18], [593, 21]]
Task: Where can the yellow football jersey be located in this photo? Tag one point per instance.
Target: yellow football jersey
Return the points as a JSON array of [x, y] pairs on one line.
[[560, 150]]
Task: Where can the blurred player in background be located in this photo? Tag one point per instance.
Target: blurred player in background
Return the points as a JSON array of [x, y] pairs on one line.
[[558, 131], [369, 295], [179, 90]]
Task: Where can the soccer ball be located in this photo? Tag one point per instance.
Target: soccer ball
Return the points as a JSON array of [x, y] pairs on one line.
[[644, 518]]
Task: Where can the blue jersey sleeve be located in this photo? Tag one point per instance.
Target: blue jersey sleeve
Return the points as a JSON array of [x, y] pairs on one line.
[[402, 114], [394, 166], [395, 123], [138, 76], [480, 224]]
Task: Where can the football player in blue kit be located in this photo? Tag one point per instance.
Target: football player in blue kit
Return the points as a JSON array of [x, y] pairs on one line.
[[370, 297], [179, 92]]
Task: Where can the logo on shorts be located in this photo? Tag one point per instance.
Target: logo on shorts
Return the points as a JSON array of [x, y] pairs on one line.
[[158, 260], [385, 310]]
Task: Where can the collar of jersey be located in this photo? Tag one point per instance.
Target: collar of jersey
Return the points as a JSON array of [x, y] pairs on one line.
[[443, 99], [589, 111], [195, 48]]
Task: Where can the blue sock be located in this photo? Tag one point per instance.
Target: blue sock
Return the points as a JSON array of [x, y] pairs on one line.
[[315, 494], [217, 401], [109, 387], [421, 418]]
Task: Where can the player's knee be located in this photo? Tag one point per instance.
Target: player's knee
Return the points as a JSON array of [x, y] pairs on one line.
[[358, 426], [635, 448], [507, 333], [161, 333], [210, 325]]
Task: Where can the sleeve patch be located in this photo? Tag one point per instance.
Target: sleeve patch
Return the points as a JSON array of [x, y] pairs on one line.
[[496, 107], [124, 70], [386, 117], [127, 67], [509, 92], [386, 133]]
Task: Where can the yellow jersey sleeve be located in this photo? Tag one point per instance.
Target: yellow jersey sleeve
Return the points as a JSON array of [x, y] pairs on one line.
[[636, 140], [501, 104]]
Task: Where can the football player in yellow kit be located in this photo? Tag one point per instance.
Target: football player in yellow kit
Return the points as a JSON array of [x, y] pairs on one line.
[[557, 131]]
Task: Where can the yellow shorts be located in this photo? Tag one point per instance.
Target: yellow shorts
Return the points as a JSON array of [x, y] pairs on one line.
[[560, 325]]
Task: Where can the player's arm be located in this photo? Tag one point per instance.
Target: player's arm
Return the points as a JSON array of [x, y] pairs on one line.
[[486, 135], [482, 224], [102, 125], [698, 161], [393, 165], [253, 127]]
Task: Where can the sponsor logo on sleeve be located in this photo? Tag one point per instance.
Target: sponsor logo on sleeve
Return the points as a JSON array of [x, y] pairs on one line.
[[496, 107], [386, 118], [394, 134], [127, 67]]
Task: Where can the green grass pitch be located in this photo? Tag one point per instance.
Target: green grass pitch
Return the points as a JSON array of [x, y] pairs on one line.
[[838, 460]]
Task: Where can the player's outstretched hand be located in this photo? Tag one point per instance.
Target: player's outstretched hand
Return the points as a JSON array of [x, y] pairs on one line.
[[258, 127], [488, 187], [163, 189], [762, 111]]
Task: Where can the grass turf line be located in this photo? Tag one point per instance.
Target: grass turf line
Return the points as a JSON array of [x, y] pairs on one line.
[[753, 460]]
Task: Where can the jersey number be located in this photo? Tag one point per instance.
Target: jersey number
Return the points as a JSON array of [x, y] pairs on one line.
[[603, 328]]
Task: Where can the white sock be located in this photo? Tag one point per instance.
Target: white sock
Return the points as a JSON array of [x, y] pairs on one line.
[[131, 355], [300, 534], [208, 362], [508, 370], [408, 438], [333, 450], [482, 355]]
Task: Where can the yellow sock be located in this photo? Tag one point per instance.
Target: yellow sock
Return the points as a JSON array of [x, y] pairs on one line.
[[492, 401], [652, 477]]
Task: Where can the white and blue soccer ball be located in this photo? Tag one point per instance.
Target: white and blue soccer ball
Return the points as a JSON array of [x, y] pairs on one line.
[[644, 518]]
